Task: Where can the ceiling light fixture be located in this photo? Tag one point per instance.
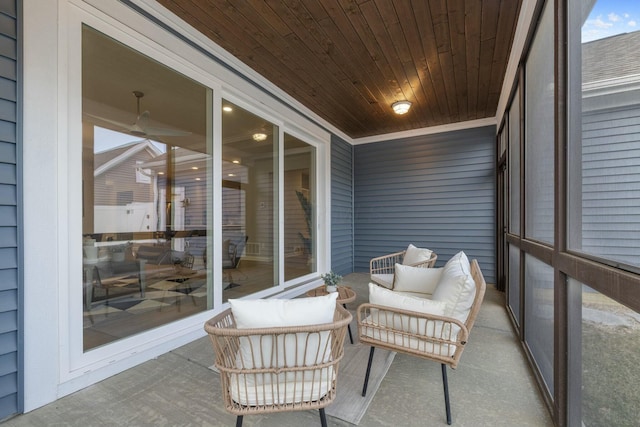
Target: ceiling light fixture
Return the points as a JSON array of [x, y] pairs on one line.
[[401, 107], [227, 109], [259, 137]]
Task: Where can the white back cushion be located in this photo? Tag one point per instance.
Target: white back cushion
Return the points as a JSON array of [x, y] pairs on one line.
[[415, 255], [259, 351], [269, 313], [456, 287], [416, 279]]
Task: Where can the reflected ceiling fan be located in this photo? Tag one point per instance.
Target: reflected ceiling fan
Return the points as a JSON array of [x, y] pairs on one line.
[[141, 126]]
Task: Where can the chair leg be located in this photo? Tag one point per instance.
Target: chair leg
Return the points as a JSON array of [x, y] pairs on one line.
[[239, 421], [366, 377], [445, 384], [323, 418], [349, 327]]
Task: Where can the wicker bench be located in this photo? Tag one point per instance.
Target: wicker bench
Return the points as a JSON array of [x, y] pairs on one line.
[[433, 337]]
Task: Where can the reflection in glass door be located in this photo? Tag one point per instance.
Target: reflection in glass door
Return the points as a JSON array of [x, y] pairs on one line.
[[249, 202], [146, 161], [299, 208]]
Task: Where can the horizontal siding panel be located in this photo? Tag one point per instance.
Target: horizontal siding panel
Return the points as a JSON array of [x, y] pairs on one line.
[[8, 68], [8, 342], [9, 404], [7, 110], [8, 279], [7, 131], [8, 7], [8, 216], [8, 322], [613, 129], [8, 152], [8, 385], [8, 258], [619, 122], [8, 237], [8, 195], [8, 25], [8, 91], [435, 191], [7, 173], [8, 46], [614, 139], [8, 301], [8, 363]]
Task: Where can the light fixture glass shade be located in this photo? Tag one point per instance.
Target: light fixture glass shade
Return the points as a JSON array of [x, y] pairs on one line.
[[401, 107], [259, 136]]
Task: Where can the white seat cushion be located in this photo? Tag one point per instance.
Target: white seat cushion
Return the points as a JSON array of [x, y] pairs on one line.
[[416, 279], [387, 298], [400, 339], [385, 280], [278, 389]]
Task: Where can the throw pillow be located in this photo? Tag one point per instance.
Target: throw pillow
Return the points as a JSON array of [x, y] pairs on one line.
[[415, 255], [416, 279], [456, 287]]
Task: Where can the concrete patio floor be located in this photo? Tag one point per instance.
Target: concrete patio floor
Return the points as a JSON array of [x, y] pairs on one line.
[[492, 386]]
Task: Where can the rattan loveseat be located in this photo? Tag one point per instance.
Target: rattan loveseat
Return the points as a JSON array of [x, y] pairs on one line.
[[405, 325]]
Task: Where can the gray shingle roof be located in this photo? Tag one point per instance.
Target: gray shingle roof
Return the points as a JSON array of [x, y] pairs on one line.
[[612, 57]]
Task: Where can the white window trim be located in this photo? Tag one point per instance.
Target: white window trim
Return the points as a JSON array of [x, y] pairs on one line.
[[53, 132]]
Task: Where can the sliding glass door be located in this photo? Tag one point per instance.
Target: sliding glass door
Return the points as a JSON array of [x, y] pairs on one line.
[[146, 173]]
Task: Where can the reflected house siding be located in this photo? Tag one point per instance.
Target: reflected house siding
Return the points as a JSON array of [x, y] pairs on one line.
[[435, 191], [121, 179], [123, 191], [10, 276]]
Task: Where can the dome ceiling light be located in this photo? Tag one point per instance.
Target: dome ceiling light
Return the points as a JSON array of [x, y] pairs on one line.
[[401, 107]]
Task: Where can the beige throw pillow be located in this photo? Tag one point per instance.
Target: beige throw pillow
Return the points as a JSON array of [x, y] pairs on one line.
[[416, 279], [415, 255]]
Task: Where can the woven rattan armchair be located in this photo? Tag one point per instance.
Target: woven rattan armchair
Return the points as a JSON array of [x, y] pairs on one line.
[[278, 369], [438, 338], [382, 268]]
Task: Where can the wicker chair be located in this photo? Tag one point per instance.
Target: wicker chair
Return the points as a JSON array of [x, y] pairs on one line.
[[278, 369], [438, 338], [382, 269]]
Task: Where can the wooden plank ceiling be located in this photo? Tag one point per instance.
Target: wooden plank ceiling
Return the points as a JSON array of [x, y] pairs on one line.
[[349, 60]]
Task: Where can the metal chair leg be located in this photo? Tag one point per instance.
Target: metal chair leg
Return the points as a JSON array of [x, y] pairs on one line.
[[349, 327], [323, 418], [239, 421], [366, 377], [445, 383]]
